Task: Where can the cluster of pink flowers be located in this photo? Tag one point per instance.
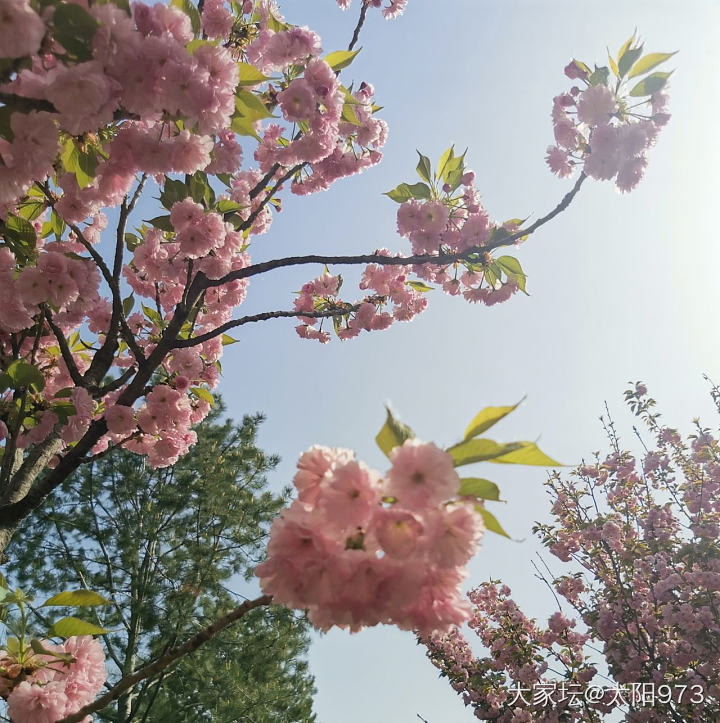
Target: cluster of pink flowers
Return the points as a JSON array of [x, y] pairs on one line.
[[330, 146], [595, 129], [357, 550], [29, 155], [45, 688], [645, 584], [390, 287], [391, 10], [111, 112]]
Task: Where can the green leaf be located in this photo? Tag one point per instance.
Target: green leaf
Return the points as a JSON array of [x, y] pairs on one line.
[[23, 374], [20, 234], [480, 450], [483, 489], [424, 168], [161, 222], [191, 11], [243, 126], [250, 106], [64, 410], [419, 286], [200, 189], [225, 205], [599, 76], [648, 62], [38, 648], [487, 418], [85, 167], [447, 156], [341, 58], [491, 523], [613, 65], [75, 598], [651, 84], [31, 209], [154, 316], [4, 592], [250, 75], [57, 223], [511, 266], [173, 191], [404, 192], [626, 45], [227, 340], [392, 434], [203, 393], [527, 453], [67, 627], [628, 58], [74, 29], [349, 115]]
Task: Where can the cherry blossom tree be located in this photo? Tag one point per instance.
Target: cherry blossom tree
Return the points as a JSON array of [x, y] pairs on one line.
[[112, 337], [638, 539]]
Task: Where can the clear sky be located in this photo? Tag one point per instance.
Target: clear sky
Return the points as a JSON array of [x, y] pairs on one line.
[[622, 287]]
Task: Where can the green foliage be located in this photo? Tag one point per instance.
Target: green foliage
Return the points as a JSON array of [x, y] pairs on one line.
[[163, 546], [74, 29], [340, 59], [392, 434], [472, 449]]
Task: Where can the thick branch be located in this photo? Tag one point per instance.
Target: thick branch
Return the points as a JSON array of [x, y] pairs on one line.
[[264, 316], [418, 259], [164, 662]]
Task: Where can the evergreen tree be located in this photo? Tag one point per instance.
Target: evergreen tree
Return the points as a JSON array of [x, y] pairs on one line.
[[163, 545]]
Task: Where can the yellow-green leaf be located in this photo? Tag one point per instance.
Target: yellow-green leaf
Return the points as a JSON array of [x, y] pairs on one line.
[[483, 489], [651, 84], [648, 62], [480, 450], [341, 58], [527, 453], [67, 627], [250, 75], [419, 286], [392, 434], [613, 65], [203, 393], [491, 523], [75, 598], [487, 418]]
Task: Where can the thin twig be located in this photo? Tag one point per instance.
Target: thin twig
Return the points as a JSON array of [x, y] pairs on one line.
[[264, 316]]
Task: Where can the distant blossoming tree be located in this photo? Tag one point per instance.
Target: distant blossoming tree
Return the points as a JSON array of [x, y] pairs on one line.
[[114, 340], [639, 539]]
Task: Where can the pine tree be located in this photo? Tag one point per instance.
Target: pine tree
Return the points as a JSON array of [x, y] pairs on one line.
[[163, 545]]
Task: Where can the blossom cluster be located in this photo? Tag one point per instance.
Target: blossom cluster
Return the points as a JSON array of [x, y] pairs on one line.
[[451, 223], [600, 130], [356, 550], [641, 542], [45, 687], [136, 96]]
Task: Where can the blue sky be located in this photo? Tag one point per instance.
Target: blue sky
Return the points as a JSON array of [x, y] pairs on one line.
[[621, 287]]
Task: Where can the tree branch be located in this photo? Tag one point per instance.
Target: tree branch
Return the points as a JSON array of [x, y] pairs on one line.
[[360, 23], [65, 351], [417, 259], [165, 661], [264, 316]]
